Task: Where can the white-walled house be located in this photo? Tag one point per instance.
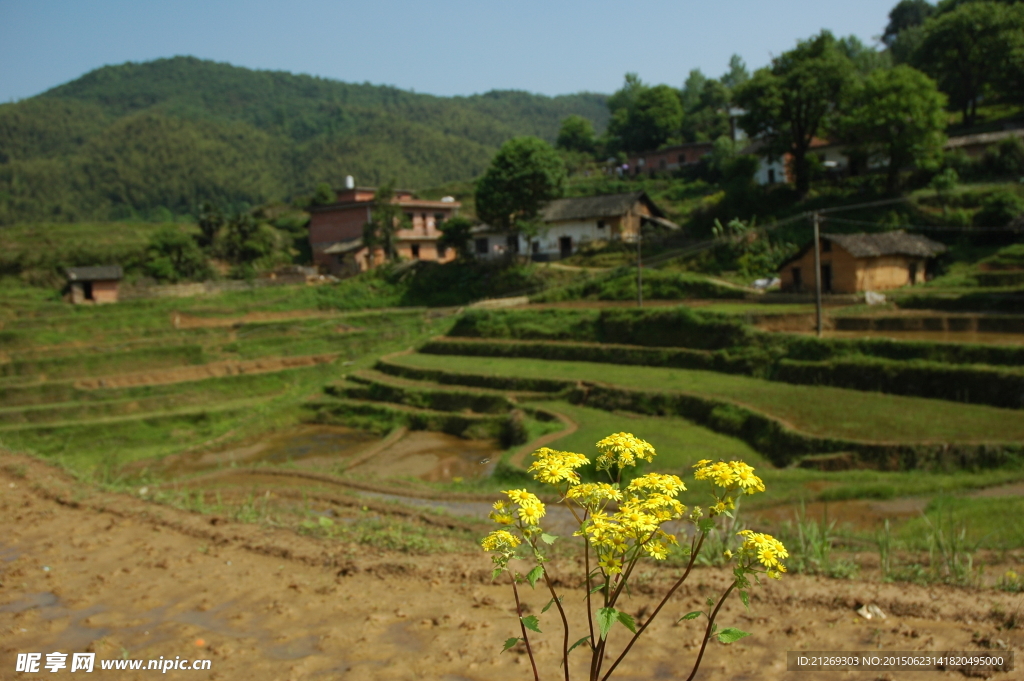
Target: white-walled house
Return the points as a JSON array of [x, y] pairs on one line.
[[569, 224]]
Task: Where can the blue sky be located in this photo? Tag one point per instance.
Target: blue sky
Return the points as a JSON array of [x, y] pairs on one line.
[[449, 47]]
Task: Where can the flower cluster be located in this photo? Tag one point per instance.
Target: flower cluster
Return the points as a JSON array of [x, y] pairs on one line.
[[553, 467], [734, 477], [622, 450], [764, 549]]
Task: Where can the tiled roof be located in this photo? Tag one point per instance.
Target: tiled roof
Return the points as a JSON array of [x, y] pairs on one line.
[[886, 243], [608, 205], [100, 273]]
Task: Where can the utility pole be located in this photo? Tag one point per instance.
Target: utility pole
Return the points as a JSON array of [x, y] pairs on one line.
[[817, 271], [639, 265]]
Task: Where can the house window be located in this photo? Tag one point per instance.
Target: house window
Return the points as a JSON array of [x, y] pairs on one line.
[[481, 246], [771, 176], [682, 159], [798, 281], [416, 251], [600, 224], [662, 164], [442, 251], [513, 243], [913, 273], [438, 220], [535, 246], [826, 246], [409, 218]]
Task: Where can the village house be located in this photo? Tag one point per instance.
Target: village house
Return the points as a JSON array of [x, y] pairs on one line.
[[336, 230], [94, 284], [670, 158], [852, 263], [569, 224]]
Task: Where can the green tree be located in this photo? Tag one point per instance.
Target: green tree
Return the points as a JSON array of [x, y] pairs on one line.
[[246, 240], [796, 99], [323, 194], [906, 14], [576, 134], [737, 74], [525, 174], [865, 59], [692, 88], [964, 50], [655, 115], [210, 222], [386, 218], [173, 256], [456, 234], [899, 117]]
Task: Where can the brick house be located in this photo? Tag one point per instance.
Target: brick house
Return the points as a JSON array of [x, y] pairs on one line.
[[851, 263], [94, 284], [336, 230], [669, 158]]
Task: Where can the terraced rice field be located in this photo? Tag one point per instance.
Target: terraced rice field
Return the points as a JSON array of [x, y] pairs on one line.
[[816, 410]]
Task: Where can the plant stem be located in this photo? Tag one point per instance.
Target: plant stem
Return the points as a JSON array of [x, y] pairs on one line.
[[694, 550], [526, 639], [707, 632], [565, 624]]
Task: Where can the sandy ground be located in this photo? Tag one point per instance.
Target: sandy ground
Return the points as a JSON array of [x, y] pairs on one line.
[[87, 570]]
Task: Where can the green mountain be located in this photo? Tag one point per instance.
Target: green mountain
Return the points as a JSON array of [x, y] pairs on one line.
[[155, 139]]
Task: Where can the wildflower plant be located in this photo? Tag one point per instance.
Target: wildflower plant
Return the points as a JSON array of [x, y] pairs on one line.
[[620, 525]]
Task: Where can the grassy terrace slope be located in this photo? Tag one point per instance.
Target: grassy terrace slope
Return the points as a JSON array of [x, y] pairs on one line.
[[816, 410]]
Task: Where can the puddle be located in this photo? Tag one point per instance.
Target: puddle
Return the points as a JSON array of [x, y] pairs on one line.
[[436, 457], [300, 443], [858, 514], [76, 635]]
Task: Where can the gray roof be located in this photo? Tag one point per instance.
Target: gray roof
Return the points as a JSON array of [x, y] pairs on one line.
[[606, 206], [346, 246], [896, 242], [100, 273]]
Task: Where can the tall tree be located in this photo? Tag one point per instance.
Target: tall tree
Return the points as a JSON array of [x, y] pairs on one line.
[[899, 116], [525, 174], [654, 116], [173, 255], [796, 99], [576, 134], [210, 222], [692, 88], [963, 50], [906, 14], [456, 234], [737, 74], [386, 218]]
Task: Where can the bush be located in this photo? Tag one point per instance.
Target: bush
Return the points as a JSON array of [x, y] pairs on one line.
[[999, 209]]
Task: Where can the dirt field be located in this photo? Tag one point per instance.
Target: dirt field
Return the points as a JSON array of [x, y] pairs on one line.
[[87, 570]]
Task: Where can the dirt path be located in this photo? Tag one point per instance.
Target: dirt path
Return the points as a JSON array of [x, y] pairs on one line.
[[86, 570], [571, 427], [199, 372]]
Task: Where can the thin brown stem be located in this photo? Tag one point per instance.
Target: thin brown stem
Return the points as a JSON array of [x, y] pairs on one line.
[[707, 632], [522, 626], [694, 550], [565, 624]]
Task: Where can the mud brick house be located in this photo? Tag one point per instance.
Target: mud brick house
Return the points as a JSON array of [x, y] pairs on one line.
[[336, 230], [851, 263], [94, 284], [569, 224], [670, 158]]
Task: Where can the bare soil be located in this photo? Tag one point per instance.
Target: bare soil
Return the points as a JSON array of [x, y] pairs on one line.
[[186, 321], [82, 569]]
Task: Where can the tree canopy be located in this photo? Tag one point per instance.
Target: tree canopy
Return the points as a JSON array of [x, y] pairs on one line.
[[525, 174], [797, 98], [898, 115], [576, 134]]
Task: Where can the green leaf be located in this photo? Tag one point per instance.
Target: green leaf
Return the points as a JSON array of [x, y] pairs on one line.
[[576, 645], [550, 603], [710, 601], [597, 588], [730, 635], [691, 615], [535, 574], [746, 599], [548, 538], [495, 572], [627, 621], [728, 513], [532, 623], [509, 642], [705, 525], [605, 619]]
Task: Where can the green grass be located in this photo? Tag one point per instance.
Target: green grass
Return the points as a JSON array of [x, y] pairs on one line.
[[679, 443], [989, 522], [816, 410]]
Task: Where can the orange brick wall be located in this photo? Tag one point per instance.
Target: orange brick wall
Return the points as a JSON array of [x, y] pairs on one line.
[[853, 275]]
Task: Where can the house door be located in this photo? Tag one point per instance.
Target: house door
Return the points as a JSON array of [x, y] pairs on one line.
[[87, 289], [565, 246], [826, 278], [913, 273]]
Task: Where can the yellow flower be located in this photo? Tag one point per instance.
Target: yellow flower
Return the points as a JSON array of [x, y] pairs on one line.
[[611, 564], [766, 549], [656, 550], [591, 494], [621, 450], [501, 541], [502, 513], [553, 467], [521, 497], [531, 515]]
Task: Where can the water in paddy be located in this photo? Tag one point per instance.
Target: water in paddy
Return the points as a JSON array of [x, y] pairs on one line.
[[301, 443]]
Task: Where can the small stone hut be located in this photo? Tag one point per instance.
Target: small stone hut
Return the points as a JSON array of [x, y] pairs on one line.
[[94, 284], [851, 263]]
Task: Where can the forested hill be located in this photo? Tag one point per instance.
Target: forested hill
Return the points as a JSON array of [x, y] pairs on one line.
[[159, 137]]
